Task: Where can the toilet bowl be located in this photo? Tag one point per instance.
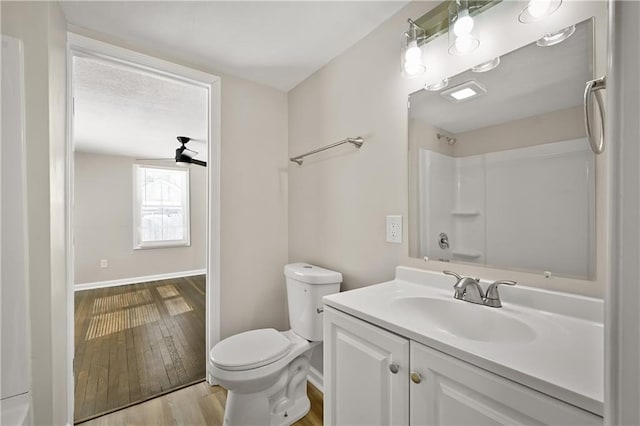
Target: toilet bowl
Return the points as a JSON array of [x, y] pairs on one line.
[[265, 370]]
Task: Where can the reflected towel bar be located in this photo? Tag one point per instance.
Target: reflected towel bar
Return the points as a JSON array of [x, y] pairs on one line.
[[357, 142], [593, 87]]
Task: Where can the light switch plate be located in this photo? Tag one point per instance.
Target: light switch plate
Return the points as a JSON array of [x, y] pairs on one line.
[[394, 229]]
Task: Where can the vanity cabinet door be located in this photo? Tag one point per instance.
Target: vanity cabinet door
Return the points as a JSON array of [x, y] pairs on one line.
[[366, 373], [453, 392]]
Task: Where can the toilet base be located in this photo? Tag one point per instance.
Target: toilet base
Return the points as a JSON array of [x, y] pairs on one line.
[[283, 403], [292, 414]]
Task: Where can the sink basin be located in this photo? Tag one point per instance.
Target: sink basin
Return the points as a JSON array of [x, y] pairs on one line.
[[464, 319]]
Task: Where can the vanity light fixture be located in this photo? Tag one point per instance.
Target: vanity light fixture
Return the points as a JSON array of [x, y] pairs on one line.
[[537, 10], [464, 92], [554, 38], [462, 32], [434, 87], [411, 57], [487, 66]]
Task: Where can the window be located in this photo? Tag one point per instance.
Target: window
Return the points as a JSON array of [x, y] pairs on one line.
[[161, 214]]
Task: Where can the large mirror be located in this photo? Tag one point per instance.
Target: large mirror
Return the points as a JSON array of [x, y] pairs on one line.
[[500, 170]]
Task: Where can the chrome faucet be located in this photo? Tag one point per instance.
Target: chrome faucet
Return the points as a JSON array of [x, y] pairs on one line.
[[469, 290], [492, 297]]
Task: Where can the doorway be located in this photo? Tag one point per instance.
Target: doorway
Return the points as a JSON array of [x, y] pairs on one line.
[[143, 273]]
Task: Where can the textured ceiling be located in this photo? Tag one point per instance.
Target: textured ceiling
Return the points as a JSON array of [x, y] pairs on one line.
[[275, 43], [529, 81], [119, 110]]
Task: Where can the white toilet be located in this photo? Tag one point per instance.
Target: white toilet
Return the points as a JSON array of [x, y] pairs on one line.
[[265, 371]]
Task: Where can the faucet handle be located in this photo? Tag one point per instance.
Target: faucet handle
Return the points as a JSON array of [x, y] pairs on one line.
[[492, 297], [453, 274]]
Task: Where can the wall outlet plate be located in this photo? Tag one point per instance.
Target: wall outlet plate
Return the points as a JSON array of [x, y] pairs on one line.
[[394, 229], [104, 263]]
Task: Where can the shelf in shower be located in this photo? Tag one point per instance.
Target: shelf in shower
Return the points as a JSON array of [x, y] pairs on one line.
[[465, 213], [467, 254]]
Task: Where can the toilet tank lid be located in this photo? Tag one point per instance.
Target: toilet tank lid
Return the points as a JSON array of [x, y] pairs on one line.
[[311, 274]]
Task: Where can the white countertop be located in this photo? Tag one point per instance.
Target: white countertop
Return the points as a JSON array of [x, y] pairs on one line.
[[564, 360]]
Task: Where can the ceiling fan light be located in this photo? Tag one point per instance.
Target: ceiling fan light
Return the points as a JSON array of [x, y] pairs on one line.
[[184, 155]]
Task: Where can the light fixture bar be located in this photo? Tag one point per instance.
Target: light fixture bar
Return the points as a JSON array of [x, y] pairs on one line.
[[436, 21]]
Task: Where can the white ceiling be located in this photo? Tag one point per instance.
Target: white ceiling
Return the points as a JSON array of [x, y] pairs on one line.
[[277, 43], [529, 81], [119, 110]]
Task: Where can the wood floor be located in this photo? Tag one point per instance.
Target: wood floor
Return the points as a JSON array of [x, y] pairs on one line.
[[198, 404], [137, 341]]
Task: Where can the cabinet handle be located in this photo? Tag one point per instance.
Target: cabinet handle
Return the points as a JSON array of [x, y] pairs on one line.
[[416, 377], [394, 368]]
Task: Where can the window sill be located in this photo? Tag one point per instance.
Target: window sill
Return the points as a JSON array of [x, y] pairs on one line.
[[160, 245]]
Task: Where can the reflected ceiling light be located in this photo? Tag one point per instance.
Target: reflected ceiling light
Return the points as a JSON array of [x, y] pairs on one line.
[[550, 39], [463, 92], [434, 87], [462, 31], [487, 66], [411, 57], [537, 10]]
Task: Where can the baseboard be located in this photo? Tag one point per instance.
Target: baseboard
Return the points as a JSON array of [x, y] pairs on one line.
[[135, 280], [315, 377]]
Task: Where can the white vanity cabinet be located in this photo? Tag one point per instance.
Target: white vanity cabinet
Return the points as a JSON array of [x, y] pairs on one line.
[[360, 385], [427, 388], [453, 392]]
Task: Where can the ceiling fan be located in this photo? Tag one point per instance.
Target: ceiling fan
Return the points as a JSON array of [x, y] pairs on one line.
[[185, 155]]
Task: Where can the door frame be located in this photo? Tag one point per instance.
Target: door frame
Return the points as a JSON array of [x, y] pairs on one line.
[[78, 44], [622, 336]]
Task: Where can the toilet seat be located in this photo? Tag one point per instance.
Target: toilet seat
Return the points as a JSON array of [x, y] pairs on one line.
[[251, 349]]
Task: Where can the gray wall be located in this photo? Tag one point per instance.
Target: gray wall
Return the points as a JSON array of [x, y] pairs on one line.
[[103, 222]]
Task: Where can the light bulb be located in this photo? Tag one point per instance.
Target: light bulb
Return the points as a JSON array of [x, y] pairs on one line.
[[413, 59], [413, 69], [464, 43], [464, 24], [413, 54], [538, 8]]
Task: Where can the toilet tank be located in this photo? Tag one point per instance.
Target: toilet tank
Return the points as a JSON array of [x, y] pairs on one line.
[[306, 285]]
